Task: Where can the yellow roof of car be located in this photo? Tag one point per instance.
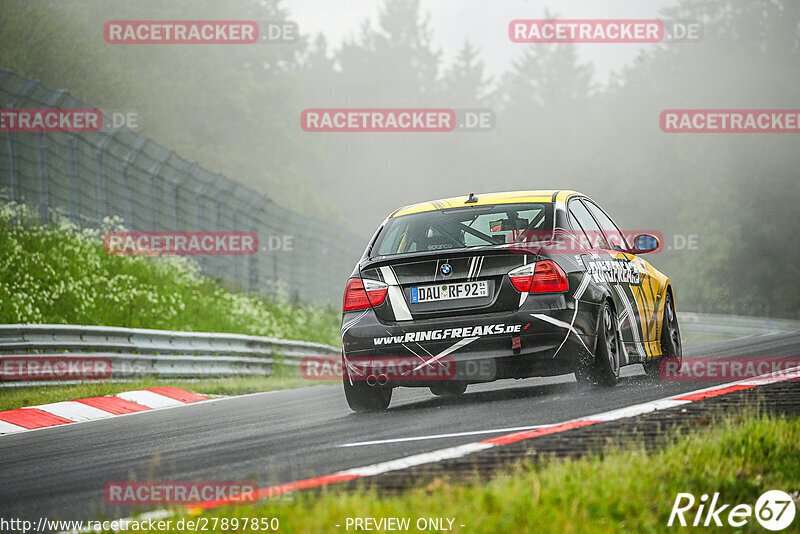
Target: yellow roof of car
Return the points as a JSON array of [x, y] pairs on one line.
[[487, 199]]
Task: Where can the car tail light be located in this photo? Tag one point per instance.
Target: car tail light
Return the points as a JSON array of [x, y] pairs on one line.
[[522, 277], [360, 294], [542, 277], [548, 278]]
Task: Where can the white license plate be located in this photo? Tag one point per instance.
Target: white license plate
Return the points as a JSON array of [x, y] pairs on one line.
[[437, 292]]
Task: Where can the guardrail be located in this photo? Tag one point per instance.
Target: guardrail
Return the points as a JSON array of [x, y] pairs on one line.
[[733, 325], [136, 352]]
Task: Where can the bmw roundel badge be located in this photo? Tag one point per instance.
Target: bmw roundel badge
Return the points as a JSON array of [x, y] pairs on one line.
[[446, 269]]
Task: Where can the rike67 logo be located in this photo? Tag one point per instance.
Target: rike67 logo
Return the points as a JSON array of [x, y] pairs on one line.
[[774, 510]]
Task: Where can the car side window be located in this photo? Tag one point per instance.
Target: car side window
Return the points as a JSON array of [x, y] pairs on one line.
[[612, 233], [587, 223]]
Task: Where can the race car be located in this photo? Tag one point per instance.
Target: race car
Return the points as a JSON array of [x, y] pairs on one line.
[[479, 288]]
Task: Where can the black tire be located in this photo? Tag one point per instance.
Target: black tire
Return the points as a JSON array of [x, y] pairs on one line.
[[671, 347], [448, 390], [363, 398], [605, 369]]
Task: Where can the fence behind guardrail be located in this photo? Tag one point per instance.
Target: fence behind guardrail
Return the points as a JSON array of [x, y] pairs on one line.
[[87, 177]]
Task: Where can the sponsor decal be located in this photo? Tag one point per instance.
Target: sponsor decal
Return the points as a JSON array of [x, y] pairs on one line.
[[774, 510], [614, 272], [180, 243], [167, 492], [700, 369], [54, 368], [730, 121], [448, 333], [50, 120]]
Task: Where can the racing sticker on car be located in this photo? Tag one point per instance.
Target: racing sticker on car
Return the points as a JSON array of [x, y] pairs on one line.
[[615, 272], [448, 333]]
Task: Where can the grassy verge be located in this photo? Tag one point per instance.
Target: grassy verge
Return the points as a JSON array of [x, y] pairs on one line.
[[62, 275], [624, 490], [19, 397], [59, 274]]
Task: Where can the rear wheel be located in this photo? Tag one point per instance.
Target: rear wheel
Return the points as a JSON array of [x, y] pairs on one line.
[[363, 398], [670, 340], [448, 390], [605, 369]]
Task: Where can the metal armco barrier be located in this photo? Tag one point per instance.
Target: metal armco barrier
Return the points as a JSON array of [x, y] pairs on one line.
[[139, 352], [734, 325]]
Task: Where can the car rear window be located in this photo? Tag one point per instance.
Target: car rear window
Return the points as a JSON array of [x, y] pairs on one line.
[[463, 227]]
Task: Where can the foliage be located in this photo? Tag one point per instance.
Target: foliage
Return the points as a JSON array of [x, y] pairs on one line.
[[62, 275]]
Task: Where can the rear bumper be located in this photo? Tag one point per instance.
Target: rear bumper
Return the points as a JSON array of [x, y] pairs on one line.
[[544, 337]]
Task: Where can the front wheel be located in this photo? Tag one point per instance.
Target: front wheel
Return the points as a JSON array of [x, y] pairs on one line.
[[671, 348], [605, 369], [363, 398]]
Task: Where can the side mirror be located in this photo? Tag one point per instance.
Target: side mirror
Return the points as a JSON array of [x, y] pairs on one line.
[[644, 243]]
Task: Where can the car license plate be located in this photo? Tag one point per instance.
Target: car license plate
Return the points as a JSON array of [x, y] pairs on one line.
[[437, 292]]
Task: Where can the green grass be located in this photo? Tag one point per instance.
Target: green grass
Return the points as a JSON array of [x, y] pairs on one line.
[[626, 489], [58, 274], [20, 397]]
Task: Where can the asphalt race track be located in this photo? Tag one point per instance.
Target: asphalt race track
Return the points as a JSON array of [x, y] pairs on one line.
[[282, 436]]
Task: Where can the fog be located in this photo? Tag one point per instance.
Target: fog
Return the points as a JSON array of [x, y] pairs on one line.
[[565, 116]]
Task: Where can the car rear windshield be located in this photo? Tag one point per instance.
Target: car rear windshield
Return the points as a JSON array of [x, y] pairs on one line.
[[463, 227]]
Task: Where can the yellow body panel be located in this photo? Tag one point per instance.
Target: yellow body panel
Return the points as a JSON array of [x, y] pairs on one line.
[[485, 199], [650, 295]]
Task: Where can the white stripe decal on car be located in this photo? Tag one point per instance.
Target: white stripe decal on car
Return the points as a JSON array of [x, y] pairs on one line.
[[562, 324], [448, 350], [396, 299]]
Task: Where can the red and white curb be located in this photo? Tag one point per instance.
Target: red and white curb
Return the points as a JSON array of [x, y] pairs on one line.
[[75, 411], [460, 451], [469, 448]]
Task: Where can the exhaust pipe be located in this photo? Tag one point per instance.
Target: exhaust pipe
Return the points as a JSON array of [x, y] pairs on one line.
[[382, 379], [371, 380]]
